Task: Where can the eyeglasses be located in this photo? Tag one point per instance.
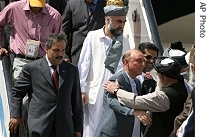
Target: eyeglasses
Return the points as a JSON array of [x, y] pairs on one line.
[[149, 57]]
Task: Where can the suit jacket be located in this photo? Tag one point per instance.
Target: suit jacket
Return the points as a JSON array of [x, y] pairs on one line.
[[59, 5], [148, 86], [116, 121], [45, 105], [76, 25]]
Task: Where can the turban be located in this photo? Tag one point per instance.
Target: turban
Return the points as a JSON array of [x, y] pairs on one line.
[[177, 52], [116, 8], [168, 66]]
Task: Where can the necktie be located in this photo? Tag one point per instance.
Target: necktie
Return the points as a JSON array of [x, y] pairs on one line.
[[90, 10], [55, 77]]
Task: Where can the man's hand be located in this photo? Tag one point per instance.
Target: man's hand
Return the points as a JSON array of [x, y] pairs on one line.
[[3, 52], [77, 134], [13, 124], [142, 116], [148, 76], [111, 86], [84, 99]]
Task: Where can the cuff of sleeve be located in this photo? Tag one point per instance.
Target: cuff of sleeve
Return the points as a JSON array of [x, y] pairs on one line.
[[131, 112], [82, 89]]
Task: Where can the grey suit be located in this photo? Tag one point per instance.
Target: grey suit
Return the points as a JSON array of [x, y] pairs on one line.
[[45, 106], [116, 121], [76, 25]]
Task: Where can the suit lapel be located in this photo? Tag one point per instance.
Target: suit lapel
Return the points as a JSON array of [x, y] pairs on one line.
[[44, 69], [83, 8], [62, 74], [138, 85], [128, 85]]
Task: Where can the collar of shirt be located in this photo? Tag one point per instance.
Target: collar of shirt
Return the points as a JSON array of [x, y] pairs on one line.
[[130, 79], [107, 40]]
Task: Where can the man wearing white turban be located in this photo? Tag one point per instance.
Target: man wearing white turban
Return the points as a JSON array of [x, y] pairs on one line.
[[100, 58]]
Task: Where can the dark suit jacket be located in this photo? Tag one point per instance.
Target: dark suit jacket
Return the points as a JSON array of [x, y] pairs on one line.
[[44, 105], [76, 26], [59, 5], [116, 121]]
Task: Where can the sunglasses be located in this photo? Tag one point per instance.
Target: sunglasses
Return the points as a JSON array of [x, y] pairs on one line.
[[149, 57]]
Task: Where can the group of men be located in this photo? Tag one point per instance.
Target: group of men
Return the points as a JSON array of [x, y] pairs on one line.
[[72, 99]]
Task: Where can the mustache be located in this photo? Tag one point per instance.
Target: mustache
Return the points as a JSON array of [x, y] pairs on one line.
[[119, 28], [59, 57]]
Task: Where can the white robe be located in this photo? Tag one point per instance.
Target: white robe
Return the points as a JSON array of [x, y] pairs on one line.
[[93, 75]]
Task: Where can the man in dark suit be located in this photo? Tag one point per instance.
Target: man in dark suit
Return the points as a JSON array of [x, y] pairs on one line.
[[118, 120], [55, 109], [77, 23]]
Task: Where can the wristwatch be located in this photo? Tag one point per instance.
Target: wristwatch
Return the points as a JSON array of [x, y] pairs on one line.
[[115, 91]]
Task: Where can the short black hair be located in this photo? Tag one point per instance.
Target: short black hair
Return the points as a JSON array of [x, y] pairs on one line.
[[147, 45]]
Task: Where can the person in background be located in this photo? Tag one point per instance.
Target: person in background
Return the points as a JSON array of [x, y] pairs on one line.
[[117, 120], [178, 52], [148, 80], [59, 5], [188, 107], [55, 109], [100, 58], [165, 104], [30, 21], [80, 17], [150, 51]]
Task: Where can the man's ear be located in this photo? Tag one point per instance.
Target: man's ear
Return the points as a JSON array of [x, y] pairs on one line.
[[125, 61], [46, 49]]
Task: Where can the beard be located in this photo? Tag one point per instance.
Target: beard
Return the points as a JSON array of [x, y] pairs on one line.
[[159, 84], [116, 32], [191, 78]]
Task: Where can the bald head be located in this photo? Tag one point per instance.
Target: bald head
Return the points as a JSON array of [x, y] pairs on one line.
[[133, 61]]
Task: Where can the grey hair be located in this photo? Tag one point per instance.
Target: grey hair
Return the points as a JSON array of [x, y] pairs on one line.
[[55, 37]]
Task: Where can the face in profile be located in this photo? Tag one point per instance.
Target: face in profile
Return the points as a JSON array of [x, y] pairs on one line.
[[150, 56]]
